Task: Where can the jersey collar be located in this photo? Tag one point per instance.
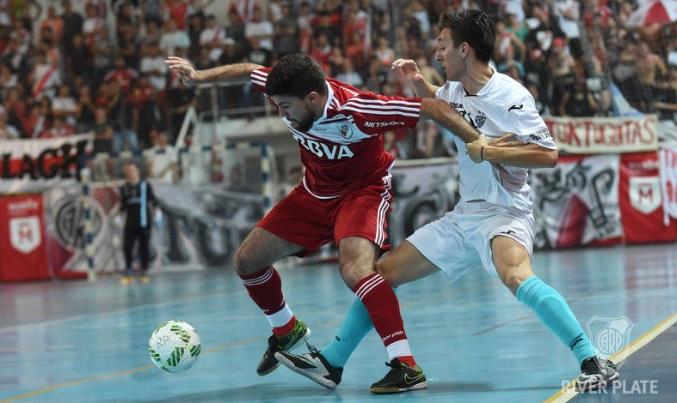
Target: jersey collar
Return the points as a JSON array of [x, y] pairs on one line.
[[487, 87], [330, 98]]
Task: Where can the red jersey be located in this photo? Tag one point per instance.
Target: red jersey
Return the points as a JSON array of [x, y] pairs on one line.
[[343, 150]]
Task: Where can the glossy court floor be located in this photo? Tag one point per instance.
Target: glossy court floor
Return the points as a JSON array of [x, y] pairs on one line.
[[82, 342]]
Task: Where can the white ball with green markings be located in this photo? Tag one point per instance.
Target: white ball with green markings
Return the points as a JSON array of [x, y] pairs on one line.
[[174, 346]]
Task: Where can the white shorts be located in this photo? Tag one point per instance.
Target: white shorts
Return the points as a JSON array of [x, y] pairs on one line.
[[460, 241]]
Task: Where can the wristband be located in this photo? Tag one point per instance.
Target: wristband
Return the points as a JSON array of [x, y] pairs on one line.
[[482, 153]]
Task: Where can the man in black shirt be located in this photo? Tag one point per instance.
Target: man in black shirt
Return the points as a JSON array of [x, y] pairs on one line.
[[138, 201]]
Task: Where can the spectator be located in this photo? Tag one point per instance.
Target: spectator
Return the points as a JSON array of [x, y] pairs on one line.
[[102, 54], [348, 75], [45, 76], [561, 67], [79, 59], [64, 105], [213, 38], [259, 34], [163, 163], [92, 25], [85, 108], [286, 38], [650, 70], [8, 79], [154, 67], [173, 38], [578, 102], [53, 24], [142, 100], [72, 25], [59, 129], [121, 74], [383, 51], [103, 132], [7, 131]]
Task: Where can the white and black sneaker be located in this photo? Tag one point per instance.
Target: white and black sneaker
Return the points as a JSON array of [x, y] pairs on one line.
[[313, 366], [596, 374]]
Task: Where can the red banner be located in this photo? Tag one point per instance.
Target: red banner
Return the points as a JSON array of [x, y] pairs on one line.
[[641, 202], [604, 135], [22, 239]]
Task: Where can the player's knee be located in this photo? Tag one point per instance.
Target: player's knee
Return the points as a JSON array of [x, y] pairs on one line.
[[245, 261], [353, 272], [388, 273], [514, 278]]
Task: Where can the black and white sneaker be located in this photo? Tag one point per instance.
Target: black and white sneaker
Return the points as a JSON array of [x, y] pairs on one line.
[[288, 342], [400, 378], [313, 366], [596, 374]]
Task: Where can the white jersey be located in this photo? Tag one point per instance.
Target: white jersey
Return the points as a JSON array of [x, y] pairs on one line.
[[502, 106]]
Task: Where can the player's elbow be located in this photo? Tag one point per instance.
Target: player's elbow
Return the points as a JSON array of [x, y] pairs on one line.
[[550, 159]]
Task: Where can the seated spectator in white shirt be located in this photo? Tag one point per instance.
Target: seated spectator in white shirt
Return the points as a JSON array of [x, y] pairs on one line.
[[213, 37], [64, 104], [153, 65], [163, 159]]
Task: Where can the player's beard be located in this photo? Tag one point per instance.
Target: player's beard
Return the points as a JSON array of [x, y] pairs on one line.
[[305, 124]]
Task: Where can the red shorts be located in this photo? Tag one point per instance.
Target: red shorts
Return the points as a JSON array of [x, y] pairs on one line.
[[305, 220]]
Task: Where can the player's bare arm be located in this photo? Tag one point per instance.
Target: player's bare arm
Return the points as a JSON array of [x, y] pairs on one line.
[[507, 151], [442, 113], [189, 75], [408, 69]]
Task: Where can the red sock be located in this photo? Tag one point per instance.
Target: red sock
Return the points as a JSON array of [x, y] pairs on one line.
[[381, 303], [409, 360], [265, 289]]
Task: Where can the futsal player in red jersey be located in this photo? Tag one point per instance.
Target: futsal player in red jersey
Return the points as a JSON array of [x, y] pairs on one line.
[[345, 196]]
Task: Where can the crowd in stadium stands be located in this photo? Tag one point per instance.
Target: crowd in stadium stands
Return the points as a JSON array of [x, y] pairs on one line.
[[104, 70]]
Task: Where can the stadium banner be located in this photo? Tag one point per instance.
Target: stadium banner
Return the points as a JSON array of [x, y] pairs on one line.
[[604, 135], [424, 189], [576, 203], [641, 202], [23, 255], [197, 227], [668, 173], [34, 165]]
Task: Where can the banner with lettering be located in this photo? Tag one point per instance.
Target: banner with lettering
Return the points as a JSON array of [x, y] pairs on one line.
[[34, 165], [576, 203], [22, 238], [604, 135], [641, 201], [201, 227], [668, 169]]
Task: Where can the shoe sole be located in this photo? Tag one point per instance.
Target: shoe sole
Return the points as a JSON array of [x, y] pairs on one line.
[[383, 391], [320, 380], [294, 346]]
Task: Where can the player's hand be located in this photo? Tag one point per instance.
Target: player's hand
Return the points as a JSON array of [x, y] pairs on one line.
[[183, 69], [475, 149], [406, 68]]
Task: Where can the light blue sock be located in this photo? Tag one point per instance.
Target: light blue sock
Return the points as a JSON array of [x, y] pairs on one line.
[[353, 329], [554, 311]]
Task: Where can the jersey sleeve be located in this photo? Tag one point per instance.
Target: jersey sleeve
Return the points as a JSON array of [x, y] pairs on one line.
[[528, 125], [258, 78], [376, 114]]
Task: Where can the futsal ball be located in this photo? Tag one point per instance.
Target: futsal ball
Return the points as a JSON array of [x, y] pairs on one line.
[[174, 346]]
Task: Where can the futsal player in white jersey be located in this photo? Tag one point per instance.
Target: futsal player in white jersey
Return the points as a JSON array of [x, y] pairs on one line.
[[492, 225]]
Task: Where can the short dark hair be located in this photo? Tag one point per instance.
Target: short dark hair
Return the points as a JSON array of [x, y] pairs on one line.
[[296, 75], [474, 27]]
